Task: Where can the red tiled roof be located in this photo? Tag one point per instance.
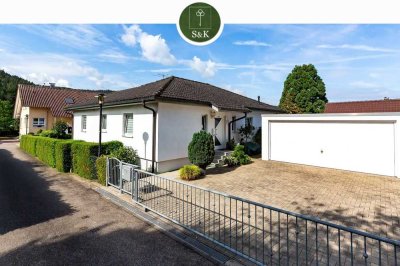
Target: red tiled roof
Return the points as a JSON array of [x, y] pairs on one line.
[[183, 90], [375, 106], [54, 98]]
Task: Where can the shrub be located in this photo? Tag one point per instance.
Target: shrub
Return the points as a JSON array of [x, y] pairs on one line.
[[201, 149], [47, 133], [230, 145], [84, 157], [257, 136], [190, 172], [28, 144], [39, 132], [101, 168], [231, 161], [246, 131], [126, 154], [240, 155], [63, 155], [60, 129], [111, 146], [45, 150]]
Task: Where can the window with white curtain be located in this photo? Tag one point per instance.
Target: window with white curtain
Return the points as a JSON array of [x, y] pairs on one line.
[[128, 125], [83, 124]]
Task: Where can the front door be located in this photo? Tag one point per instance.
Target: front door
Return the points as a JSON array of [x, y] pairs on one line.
[[219, 132]]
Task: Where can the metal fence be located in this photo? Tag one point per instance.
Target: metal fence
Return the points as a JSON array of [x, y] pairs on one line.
[[260, 233]]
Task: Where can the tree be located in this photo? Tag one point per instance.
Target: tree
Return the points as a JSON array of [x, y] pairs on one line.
[[60, 129], [246, 131], [7, 122], [201, 149], [303, 91]]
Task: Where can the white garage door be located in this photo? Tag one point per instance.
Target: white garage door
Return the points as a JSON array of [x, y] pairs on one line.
[[356, 146]]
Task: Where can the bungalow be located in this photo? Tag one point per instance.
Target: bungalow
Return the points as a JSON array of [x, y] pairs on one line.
[[39, 107], [158, 119]]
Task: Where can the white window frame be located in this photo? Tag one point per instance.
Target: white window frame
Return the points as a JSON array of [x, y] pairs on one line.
[[104, 122], [83, 123], [125, 125], [40, 122], [204, 122]]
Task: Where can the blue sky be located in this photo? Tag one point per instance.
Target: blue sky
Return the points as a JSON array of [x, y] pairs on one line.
[[356, 62]]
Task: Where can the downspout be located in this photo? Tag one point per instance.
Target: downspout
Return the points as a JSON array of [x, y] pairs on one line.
[[153, 147], [230, 123]]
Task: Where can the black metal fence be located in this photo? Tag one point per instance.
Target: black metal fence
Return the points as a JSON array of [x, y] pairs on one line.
[[260, 233]]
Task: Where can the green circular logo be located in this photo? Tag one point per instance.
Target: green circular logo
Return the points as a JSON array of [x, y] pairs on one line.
[[200, 24]]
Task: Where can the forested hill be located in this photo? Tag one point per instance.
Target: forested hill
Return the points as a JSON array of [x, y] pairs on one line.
[[8, 86], [8, 92]]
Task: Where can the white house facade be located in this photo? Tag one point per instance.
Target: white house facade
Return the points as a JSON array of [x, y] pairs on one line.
[[368, 142], [176, 119]]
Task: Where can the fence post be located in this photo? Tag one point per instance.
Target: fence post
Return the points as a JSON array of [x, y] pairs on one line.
[[136, 182], [120, 176], [107, 171]]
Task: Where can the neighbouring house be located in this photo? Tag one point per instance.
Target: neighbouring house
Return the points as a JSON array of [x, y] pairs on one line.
[[373, 106], [39, 107], [158, 119]]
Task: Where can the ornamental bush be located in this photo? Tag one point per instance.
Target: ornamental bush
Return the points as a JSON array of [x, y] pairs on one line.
[[126, 154], [60, 129], [201, 149], [190, 172], [240, 155]]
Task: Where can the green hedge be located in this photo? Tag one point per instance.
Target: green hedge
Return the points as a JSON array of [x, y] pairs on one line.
[[45, 150], [84, 155], [28, 144], [63, 155], [66, 155], [101, 168]]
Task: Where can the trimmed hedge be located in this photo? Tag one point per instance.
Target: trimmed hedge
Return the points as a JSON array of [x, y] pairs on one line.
[[84, 155], [28, 144], [63, 155], [45, 150], [66, 155], [101, 167]]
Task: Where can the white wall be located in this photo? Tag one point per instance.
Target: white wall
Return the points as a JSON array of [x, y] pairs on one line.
[[23, 126], [142, 123], [364, 143]]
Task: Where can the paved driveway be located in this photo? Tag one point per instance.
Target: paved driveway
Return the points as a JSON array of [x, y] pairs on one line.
[[363, 201], [47, 218]]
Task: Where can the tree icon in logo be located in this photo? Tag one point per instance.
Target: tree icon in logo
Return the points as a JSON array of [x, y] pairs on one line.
[[199, 24]]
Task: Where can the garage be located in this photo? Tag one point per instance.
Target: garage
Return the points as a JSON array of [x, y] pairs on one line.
[[355, 142]]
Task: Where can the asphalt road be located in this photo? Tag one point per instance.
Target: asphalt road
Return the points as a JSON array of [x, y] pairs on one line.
[[48, 218]]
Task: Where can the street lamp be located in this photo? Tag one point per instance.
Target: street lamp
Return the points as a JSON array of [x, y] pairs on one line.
[[100, 100]]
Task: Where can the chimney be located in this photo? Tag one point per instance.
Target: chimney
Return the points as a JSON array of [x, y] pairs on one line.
[[258, 98], [52, 84]]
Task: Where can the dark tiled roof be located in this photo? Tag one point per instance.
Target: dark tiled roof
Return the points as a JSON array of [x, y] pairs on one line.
[[54, 98], [184, 90], [376, 106]]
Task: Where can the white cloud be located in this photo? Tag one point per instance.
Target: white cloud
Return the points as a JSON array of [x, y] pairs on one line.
[[234, 90], [365, 85], [357, 47], [153, 47], [77, 36], [114, 56], [205, 68], [47, 67], [252, 43]]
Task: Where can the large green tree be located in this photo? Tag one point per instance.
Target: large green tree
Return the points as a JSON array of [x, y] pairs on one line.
[[8, 92], [303, 91]]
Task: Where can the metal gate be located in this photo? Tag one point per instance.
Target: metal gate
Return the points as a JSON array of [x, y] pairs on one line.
[[258, 232]]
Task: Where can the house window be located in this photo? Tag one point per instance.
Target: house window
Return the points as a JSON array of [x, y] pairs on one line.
[[104, 122], [38, 122], [204, 122], [249, 121], [128, 125], [84, 121], [233, 123]]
